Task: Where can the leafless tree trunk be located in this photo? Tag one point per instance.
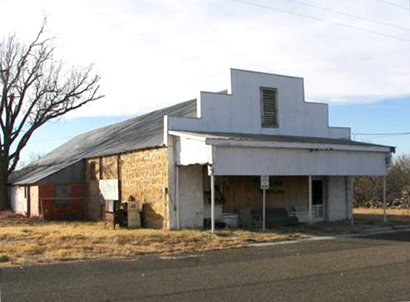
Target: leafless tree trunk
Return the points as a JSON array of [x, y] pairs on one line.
[[35, 88]]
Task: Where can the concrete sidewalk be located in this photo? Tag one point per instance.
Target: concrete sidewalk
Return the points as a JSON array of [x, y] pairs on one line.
[[363, 233]]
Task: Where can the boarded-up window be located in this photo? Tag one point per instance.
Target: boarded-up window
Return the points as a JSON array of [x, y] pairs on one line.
[[269, 107]]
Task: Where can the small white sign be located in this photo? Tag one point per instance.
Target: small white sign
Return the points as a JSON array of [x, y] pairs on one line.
[[109, 189], [264, 182]]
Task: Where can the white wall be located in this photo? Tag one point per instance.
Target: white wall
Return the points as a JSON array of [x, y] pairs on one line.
[[276, 161], [172, 197], [191, 197], [337, 206], [240, 112], [13, 195], [192, 151], [18, 200]]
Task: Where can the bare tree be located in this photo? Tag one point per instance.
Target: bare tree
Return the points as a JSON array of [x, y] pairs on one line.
[[32, 157], [35, 88], [368, 189], [398, 179]]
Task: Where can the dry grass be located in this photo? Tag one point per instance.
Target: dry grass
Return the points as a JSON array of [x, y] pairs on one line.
[[8, 218], [27, 241], [376, 215]]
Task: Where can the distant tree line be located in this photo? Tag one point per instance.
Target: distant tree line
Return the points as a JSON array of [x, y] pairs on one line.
[[368, 190]]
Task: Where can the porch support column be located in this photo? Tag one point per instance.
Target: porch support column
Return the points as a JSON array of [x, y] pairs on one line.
[[310, 199], [264, 211], [384, 200], [212, 203], [177, 194]]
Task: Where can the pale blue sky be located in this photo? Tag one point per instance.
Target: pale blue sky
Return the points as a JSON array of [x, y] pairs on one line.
[[353, 54], [390, 115]]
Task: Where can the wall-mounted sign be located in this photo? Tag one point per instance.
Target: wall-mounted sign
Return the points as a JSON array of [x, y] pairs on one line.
[[109, 189], [264, 182]]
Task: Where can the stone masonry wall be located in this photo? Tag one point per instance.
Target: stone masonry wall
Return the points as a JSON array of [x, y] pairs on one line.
[[143, 176], [109, 167], [92, 169]]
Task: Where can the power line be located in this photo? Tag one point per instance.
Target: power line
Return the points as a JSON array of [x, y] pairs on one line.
[[379, 135], [350, 15], [385, 133], [323, 20], [394, 4]]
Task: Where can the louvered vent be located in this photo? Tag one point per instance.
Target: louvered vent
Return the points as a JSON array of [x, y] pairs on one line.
[[269, 107]]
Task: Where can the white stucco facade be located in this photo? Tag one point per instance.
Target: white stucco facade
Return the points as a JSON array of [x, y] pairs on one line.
[[339, 205], [227, 135], [191, 197], [284, 161], [239, 112]]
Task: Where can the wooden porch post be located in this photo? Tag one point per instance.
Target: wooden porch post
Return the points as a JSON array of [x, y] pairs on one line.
[[310, 198]]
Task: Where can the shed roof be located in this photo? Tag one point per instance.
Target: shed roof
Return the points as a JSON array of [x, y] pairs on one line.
[[140, 132]]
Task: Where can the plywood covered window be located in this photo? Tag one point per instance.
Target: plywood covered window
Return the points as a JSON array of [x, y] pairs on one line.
[[269, 107]]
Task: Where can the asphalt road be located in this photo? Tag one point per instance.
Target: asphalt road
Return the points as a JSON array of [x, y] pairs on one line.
[[374, 268]]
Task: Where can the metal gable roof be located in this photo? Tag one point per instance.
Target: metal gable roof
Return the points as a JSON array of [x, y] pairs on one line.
[[141, 132]]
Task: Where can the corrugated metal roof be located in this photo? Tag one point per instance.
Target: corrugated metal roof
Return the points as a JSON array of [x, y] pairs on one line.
[[280, 138], [141, 132]]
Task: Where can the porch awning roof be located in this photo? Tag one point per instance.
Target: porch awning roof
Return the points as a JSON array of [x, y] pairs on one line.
[[256, 154], [280, 141]]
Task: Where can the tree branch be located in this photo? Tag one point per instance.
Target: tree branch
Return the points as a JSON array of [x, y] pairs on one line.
[[34, 90]]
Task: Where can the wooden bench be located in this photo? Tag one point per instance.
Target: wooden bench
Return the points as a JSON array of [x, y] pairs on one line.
[[252, 218]]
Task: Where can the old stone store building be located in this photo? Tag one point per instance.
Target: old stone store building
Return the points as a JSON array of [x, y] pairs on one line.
[[200, 161]]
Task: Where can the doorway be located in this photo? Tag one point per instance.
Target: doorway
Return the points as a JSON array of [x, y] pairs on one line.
[[318, 208]]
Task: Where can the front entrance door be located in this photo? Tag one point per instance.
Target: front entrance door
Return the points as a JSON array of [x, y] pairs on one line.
[[318, 209]]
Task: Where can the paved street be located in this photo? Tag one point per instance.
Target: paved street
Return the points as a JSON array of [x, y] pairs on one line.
[[374, 268]]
